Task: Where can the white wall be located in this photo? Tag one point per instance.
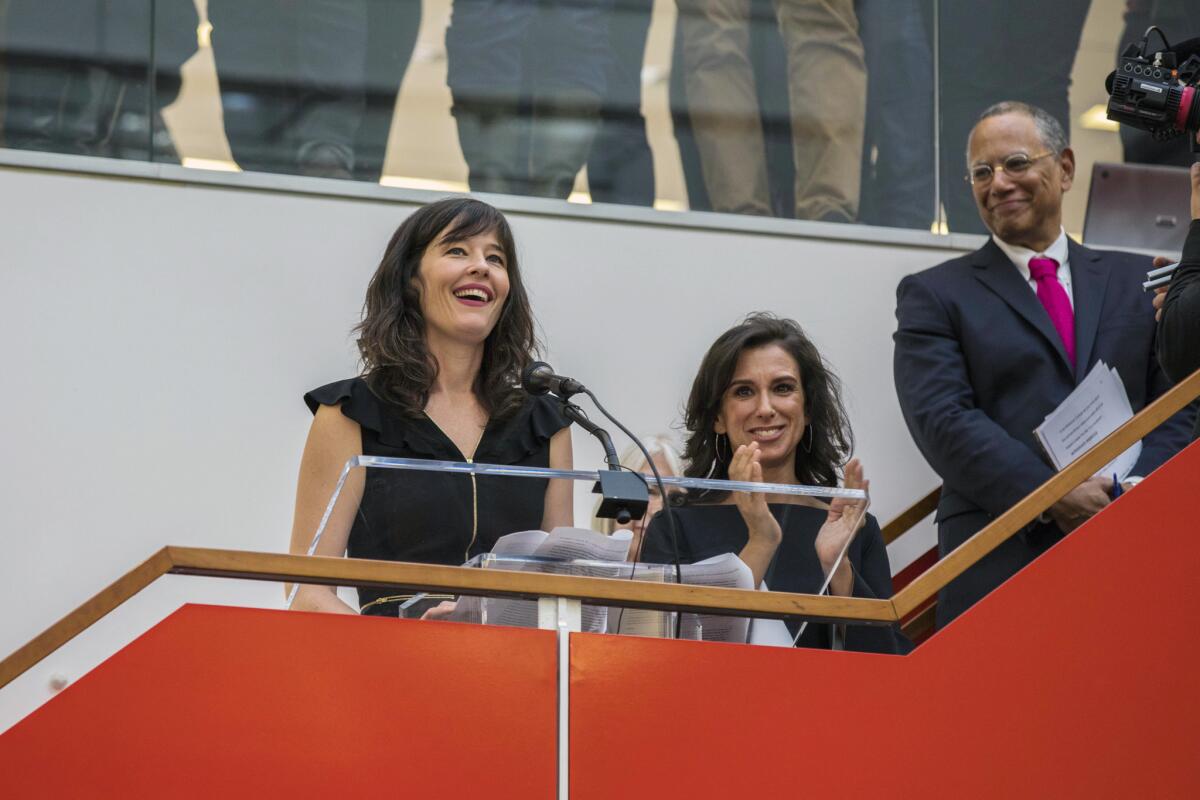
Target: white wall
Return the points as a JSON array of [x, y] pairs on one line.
[[156, 338]]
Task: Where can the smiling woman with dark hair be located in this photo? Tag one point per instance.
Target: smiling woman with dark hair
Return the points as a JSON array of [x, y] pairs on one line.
[[446, 331], [765, 407]]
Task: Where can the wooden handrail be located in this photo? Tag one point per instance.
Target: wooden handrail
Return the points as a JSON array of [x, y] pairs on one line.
[[434, 577], [85, 616], [633, 594], [1027, 510], [906, 519], [334, 571]]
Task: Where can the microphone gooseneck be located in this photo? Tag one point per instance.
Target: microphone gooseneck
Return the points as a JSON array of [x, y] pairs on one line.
[[538, 379]]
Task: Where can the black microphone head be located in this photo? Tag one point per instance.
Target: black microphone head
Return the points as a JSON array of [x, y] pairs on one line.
[[536, 378], [1108, 82]]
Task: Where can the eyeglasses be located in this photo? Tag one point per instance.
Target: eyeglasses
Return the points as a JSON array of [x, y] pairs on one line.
[[1014, 165]]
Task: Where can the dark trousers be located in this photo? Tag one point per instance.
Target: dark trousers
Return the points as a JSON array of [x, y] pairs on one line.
[[898, 152], [309, 87], [768, 58], [79, 74], [500, 48], [620, 166], [528, 78], [993, 569]]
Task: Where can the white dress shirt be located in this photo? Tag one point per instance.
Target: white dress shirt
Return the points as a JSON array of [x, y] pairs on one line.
[[1020, 256]]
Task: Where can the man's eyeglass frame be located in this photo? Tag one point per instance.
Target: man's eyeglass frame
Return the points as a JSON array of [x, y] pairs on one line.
[[1024, 163]]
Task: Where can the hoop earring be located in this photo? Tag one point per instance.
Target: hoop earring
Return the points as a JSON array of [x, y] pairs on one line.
[[717, 448], [810, 439]]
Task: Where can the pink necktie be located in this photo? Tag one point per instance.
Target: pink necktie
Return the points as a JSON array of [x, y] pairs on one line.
[[1057, 304]]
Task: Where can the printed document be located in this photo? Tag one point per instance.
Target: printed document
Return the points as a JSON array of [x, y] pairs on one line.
[[566, 544], [1097, 407]]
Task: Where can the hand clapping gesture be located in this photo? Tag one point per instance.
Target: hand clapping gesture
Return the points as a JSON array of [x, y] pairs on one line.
[[843, 521], [745, 466], [846, 516], [763, 529]]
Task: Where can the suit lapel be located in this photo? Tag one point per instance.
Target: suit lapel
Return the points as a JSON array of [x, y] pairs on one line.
[[1088, 284], [996, 272]]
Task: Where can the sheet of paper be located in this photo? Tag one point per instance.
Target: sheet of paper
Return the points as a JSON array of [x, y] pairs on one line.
[[725, 570], [507, 611], [729, 571], [561, 544], [1097, 407], [770, 632], [642, 621], [567, 543], [521, 543]]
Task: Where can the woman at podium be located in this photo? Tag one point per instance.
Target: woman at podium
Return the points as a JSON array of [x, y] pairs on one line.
[[446, 331], [765, 407]]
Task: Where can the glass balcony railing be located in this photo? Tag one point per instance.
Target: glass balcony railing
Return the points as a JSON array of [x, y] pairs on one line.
[[851, 111]]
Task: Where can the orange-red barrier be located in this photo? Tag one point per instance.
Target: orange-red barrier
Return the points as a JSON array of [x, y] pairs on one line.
[[1073, 679], [225, 702], [1076, 678]]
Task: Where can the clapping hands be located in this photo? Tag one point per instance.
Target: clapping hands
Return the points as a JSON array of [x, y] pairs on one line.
[[846, 516], [745, 466]]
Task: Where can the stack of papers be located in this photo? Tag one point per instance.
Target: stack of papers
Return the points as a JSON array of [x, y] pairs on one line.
[[1098, 406], [577, 543]]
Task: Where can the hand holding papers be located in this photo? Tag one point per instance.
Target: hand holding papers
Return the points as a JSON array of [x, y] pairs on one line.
[[1097, 407]]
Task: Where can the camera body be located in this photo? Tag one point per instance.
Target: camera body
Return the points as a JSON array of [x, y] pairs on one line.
[[1154, 93]]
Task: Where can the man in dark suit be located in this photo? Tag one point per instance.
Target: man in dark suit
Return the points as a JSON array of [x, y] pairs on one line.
[[991, 342]]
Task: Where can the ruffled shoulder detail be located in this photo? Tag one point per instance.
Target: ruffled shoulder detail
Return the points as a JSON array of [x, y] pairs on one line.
[[526, 432], [357, 400], [411, 437]]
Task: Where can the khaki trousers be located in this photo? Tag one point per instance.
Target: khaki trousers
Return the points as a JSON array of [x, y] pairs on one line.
[[827, 89]]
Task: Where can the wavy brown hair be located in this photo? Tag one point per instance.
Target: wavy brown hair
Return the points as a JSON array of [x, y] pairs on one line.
[[832, 440], [396, 361]]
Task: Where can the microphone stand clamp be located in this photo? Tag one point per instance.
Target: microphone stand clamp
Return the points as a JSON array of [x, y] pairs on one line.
[[624, 494]]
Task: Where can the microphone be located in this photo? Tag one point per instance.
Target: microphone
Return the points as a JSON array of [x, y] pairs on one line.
[[624, 493], [539, 378]]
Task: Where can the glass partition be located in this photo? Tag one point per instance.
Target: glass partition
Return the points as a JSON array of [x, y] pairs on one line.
[[487, 516], [852, 111]]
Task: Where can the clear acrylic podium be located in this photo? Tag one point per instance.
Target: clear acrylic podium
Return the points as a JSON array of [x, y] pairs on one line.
[[580, 617], [593, 618]]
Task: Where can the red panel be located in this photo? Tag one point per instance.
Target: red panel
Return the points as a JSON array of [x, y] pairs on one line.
[[1074, 679], [225, 702]]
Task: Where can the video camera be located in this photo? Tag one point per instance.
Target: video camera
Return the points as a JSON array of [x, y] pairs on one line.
[[1157, 92]]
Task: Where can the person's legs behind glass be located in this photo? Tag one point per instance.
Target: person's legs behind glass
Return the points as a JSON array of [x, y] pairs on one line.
[[827, 82]]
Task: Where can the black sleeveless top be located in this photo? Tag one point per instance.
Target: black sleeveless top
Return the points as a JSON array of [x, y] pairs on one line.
[[438, 518]]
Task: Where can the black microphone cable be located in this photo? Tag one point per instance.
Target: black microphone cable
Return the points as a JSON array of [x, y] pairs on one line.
[[666, 505]]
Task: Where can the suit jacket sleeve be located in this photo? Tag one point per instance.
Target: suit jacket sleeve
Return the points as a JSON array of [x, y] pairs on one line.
[[973, 454], [1162, 443], [1179, 330]]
